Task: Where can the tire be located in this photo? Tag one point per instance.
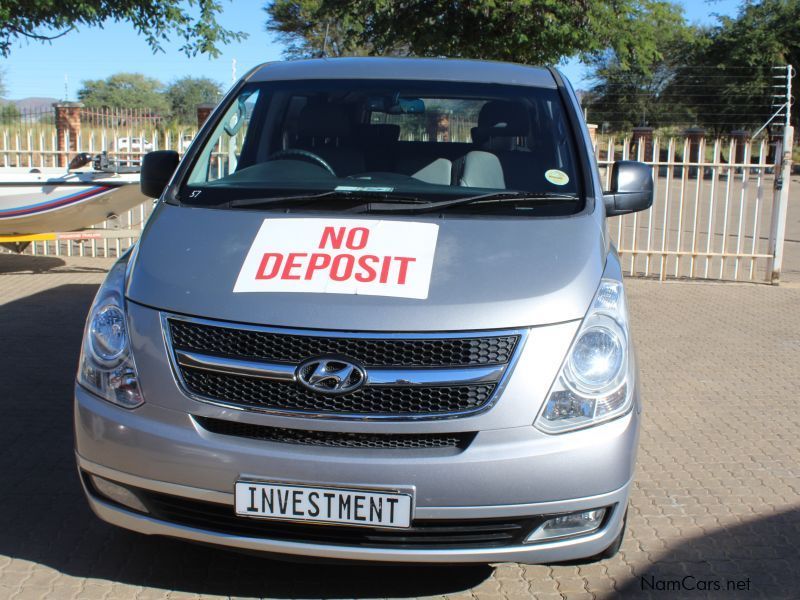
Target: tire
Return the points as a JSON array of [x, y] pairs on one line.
[[615, 545]]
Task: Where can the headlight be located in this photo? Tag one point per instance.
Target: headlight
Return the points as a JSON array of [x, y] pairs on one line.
[[106, 365], [108, 335], [594, 384]]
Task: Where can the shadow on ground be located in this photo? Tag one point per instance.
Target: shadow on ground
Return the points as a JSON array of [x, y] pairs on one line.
[[26, 264], [759, 558], [44, 518]]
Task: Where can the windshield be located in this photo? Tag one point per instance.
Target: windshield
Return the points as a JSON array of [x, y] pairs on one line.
[[400, 141]]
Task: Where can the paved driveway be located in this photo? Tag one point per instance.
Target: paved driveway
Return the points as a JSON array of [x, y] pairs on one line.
[[716, 502]]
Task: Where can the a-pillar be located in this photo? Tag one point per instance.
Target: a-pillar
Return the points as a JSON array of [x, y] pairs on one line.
[[592, 134]]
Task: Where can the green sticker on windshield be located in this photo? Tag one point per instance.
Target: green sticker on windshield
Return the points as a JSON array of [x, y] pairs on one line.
[[556, 177]]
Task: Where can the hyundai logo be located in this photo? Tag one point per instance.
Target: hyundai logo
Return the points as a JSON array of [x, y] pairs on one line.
[[330, 375]]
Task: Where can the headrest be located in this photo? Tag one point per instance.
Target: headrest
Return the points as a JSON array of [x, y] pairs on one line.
[[501, 119], [380, 133], [323, 120]]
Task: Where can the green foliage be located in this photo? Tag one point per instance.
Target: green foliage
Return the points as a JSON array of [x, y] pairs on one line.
[[125, 90], [186, 93], [306, 28], [719, 77], [193, 21], [634, 90], [526, 31], [729, 77], [9, 114]]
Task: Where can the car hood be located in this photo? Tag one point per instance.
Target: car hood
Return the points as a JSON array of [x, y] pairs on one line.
[[487, 273]]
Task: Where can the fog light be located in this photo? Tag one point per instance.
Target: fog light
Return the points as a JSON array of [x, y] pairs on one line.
[[570, 525], [118, 493]]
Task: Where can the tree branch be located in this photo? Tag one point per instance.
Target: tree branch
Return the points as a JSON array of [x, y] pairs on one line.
[[39, 36]]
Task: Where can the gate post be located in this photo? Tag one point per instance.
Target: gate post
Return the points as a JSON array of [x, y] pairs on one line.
[[780, 204], [68, 128]]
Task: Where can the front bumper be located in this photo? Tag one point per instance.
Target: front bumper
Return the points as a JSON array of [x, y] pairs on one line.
[[507, 473]]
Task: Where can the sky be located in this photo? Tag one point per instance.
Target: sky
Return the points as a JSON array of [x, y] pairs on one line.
[[57, 69]]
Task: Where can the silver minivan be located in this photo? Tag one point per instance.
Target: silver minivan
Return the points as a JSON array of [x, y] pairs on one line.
[[375, 315]]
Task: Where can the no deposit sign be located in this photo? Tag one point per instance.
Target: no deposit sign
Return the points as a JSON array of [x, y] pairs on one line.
[[340, 256]]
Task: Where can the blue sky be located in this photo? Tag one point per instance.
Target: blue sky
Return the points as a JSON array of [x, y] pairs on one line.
[[36, 69]]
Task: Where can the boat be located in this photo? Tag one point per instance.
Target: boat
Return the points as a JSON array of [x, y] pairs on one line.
[[50, 199]]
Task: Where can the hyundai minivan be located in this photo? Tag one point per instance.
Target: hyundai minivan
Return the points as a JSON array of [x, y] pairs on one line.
[[375, 315]]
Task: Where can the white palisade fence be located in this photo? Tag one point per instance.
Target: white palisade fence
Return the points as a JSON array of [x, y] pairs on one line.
[[717, 210]]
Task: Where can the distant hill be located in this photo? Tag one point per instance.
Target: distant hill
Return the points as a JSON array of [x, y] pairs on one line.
[[34, 103]]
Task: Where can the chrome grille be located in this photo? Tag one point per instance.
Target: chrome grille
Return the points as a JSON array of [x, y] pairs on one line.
[[397, 400], [419, 376], [370, 352]]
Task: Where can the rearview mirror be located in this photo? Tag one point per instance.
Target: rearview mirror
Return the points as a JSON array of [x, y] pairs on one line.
[[157, 170], [396, 105], [631, 188]]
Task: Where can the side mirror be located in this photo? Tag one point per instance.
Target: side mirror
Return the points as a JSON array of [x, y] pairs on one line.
[[631, 188], [157, 170]]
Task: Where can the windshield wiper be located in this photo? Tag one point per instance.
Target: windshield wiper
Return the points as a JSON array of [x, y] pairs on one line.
[[304, 198], [479, 199]]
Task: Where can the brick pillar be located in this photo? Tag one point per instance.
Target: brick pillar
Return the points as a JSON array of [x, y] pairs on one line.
[[695, 136], [592, 133], [203, 110], [643, 136], [740, 137], [68, 125]]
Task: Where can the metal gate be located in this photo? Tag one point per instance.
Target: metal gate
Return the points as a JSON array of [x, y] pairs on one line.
[[719, 209]]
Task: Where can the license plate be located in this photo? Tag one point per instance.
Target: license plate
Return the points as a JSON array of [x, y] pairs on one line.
[[324, 505]]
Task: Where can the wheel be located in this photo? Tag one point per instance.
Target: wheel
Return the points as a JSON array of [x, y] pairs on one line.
[[303, 154], [615, 545]]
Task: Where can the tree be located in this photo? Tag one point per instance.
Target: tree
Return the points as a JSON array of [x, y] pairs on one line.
[[526, 31], [638, 91], [728, 76], [193, 21], [305, 29], [125, 90], [186, 93], [9, 113]]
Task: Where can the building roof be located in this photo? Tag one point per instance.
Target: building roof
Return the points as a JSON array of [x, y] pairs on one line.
[[433, 69]]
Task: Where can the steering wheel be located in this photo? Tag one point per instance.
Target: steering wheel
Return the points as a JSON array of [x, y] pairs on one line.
[[303, 154]]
